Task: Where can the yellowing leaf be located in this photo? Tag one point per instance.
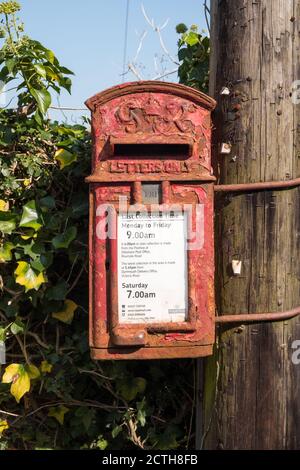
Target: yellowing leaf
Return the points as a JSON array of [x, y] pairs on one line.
[[58, 413], [67, 314], [19, 379], [46, 367], [20, 386], [10, 372], [4, 206], [3, 426], [30, 233], [65, 157], [26, 276], [26, 182], [32, 371]]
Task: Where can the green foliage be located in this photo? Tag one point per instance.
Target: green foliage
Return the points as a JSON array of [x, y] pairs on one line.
[[56, 395], [29, 66], [193, 55]]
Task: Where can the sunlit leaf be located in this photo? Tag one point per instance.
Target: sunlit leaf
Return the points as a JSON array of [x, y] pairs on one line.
[[17, 327], [4, 205], [67, 314], [19, 379], [65, 157], [50, 55], [40, 70], [3, 426], [30, 233], [26, 276], [30, 216], [26, 182], [46, 367], [192, 38], [42, 97], [58, 412]]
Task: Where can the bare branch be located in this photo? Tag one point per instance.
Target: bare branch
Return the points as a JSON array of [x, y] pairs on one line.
[[157, 29], [164, 47], [132, 68], [38, 339], [164, 25], [8, 413], [140, 45], [165, 74], [150, 22]]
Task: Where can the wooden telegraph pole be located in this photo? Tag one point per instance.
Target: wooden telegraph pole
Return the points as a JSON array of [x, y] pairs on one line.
[[252, 387]]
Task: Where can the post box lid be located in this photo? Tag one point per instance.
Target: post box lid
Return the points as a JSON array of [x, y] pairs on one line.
[[182, 91]]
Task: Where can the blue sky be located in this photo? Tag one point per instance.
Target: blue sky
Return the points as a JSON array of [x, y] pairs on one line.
[[88, 37]]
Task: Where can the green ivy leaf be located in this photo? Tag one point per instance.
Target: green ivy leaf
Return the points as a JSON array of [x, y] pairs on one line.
[[33, 249], [168, 440], [57, 292], [5, 252], [40, 70], [17, 327], [63, 240], [47, 202], [141, 412], [42, 262], [3, 334], [130, 388], [50, 55], [66, 71], [10, 64], [58, 412], [30, 217], [7, 222], [42, 98], [116, 431], [27, 277], [65, 158], [32, 371], [80, 205]]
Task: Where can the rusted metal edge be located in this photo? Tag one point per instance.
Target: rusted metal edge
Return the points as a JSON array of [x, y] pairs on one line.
[[97, 178], [257, 186], [146, 86], [258, 317]]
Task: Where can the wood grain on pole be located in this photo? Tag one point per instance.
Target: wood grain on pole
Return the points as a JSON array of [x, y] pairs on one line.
[[255, 53]]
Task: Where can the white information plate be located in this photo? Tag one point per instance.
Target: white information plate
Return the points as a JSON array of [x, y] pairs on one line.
[[152, 268]]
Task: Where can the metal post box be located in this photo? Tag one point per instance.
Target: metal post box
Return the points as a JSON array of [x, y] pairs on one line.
[[151, 249]]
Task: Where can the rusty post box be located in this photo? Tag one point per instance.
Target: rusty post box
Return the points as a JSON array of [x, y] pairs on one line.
[[151, 223]]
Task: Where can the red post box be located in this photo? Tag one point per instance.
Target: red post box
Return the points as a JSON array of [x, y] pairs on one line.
[[151, 223]]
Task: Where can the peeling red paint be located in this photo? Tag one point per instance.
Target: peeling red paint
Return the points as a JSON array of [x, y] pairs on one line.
[[152, 113]]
